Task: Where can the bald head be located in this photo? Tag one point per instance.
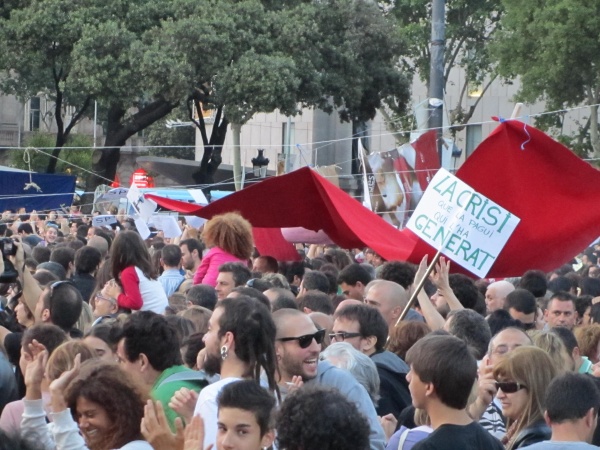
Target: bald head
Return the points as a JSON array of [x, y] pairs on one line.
[[506, 341], [286, 318], [388, 297], [495, 295], [348, 301], [99, 243]]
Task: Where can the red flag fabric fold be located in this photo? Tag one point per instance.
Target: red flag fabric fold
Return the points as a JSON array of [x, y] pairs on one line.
[[542, 182]]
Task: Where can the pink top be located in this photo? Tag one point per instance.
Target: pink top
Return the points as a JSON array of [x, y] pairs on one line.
[[209, 267], [10, 421]]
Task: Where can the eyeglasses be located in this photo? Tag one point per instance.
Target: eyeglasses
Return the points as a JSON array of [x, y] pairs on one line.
[[306, 340], [341, 336], [108, 299], [509, 387], [54, 287]]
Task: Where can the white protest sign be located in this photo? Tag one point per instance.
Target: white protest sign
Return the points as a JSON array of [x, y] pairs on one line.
[[467, 227], [142, 206], [100, 221], [167, 224], [115, 194], [195, 221], [142, 228], [198, 196]]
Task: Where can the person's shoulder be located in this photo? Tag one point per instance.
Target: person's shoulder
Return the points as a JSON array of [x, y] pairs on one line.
[[556, 445], [137, 445], [467, 437]]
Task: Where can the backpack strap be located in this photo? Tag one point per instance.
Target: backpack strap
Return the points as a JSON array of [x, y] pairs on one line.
[[187, 375]]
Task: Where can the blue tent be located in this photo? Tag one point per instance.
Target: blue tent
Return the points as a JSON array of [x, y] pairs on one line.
[[56, 190]]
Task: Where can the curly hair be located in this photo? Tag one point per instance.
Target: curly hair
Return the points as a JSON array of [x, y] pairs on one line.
[[588, 338], [230, 232], [104, 383], [128, 249], [319, 417], [254, 330]]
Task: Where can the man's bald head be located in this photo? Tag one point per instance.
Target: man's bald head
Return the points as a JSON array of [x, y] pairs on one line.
[[348, 301], [495, 295], [506, 341], [285, 317], [388, 297], [99, 243]]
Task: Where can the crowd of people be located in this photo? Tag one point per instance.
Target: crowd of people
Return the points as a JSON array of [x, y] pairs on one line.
[[109, 341]]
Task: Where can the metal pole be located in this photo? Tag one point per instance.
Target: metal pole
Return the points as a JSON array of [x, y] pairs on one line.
[[288, 147], [95, 120], [420, 285], [436, 68]]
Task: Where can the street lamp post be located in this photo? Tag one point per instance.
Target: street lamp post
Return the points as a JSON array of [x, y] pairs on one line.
[[259, 164]]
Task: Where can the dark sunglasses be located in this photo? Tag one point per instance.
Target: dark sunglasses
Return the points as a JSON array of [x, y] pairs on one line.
[[306, 340], [509, 387], [342, 336]]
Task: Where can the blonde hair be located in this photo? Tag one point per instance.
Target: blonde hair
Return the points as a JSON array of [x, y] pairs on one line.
[[86, 318], [553, 345], [533, 368], [588, 337], [230, 232], [62, 358], [199, 315]]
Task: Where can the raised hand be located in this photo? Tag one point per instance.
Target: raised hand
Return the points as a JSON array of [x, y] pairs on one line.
[[155, 428], [183, 403]]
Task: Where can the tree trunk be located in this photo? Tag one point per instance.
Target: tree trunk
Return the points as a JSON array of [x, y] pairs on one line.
[[236, 129], [105, 160], [213, 147]]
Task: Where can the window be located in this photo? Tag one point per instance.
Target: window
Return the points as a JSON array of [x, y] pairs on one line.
[[473, 138], [34, 113]]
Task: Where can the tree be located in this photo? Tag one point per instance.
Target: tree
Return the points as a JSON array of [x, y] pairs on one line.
[[470, 24], [553, 46], [36, 41], [241, 58], [78, 52], [76, 156]]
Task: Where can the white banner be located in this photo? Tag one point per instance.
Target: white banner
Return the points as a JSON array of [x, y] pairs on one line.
[[467, 227]]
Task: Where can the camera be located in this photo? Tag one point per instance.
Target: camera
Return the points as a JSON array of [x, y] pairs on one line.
[[7, 247]]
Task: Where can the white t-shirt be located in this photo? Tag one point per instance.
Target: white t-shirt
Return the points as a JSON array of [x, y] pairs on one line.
[[206, 407]]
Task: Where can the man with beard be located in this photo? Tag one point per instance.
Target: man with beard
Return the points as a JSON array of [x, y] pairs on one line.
[[191, 256], [239, 345], [297, 346], [149, 350]]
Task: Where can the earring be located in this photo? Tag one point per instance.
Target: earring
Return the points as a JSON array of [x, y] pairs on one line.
[[224, 352]]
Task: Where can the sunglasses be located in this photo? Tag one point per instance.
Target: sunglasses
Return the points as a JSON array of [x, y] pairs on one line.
[[306, 340], [509, 387], [341, 336]]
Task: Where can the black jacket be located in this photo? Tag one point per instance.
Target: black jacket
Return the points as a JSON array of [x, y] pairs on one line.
[[393, 386], [533, 434]]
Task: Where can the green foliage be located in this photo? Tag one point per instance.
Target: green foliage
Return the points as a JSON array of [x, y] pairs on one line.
[[77, 153], [158, 134], [470, 24], [553, 46]]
